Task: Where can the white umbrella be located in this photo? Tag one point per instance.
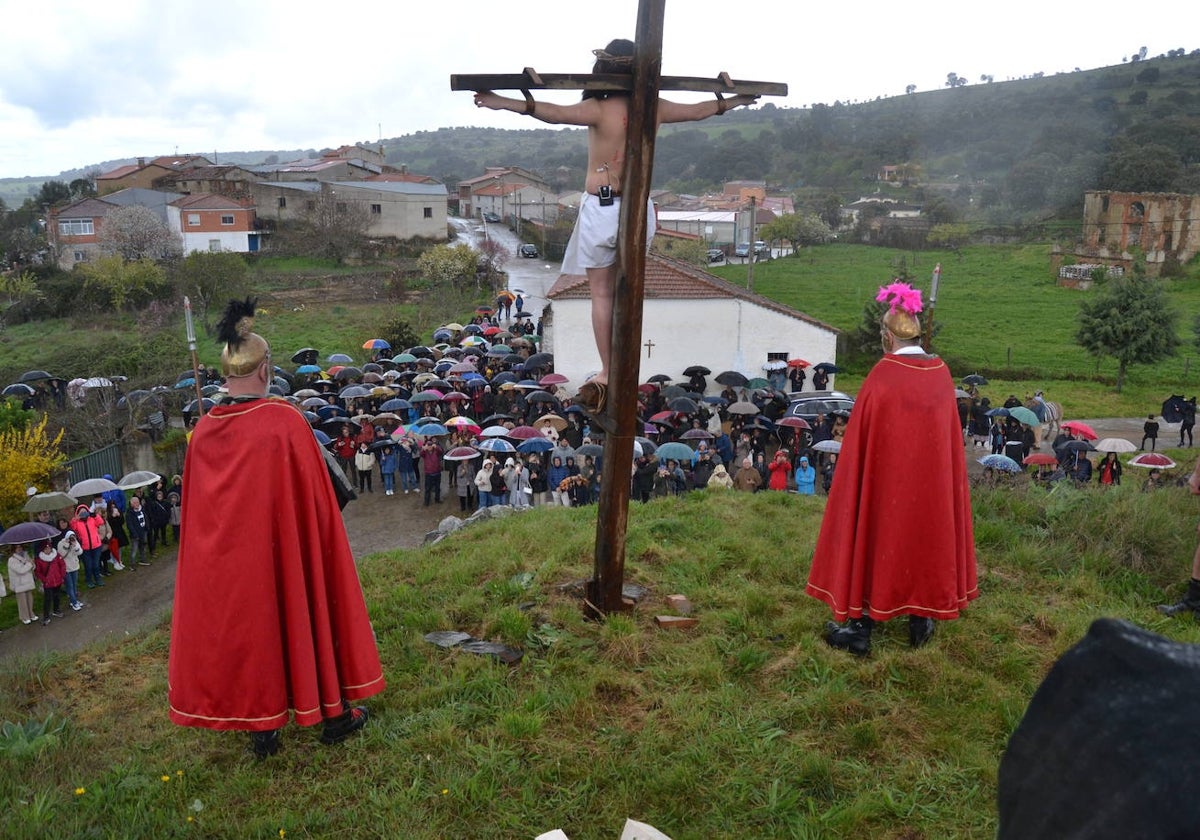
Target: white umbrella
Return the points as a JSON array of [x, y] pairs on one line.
[[49, 501], [91, 487], [1114, 445], [138, 478], [97, 382], [828, 446]]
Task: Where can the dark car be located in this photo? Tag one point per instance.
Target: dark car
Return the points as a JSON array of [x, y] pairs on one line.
[[491, 217], [715, 255], [528, 250], [808, 404]]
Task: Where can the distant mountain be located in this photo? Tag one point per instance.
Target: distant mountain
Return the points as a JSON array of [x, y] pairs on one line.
[[1003, 151]]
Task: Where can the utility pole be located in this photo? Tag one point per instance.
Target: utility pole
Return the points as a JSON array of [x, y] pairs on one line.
[[753, 250]]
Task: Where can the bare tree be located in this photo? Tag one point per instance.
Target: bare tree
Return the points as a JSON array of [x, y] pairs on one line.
[[332, 226], [135, 233]]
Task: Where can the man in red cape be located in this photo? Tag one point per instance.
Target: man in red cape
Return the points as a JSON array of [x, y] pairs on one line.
[[269, 619], [897, 537]]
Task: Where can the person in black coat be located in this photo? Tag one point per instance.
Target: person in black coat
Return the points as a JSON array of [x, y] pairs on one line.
[[160, 517]]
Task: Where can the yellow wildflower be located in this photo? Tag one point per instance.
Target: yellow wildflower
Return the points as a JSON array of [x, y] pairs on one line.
[[80, 791]]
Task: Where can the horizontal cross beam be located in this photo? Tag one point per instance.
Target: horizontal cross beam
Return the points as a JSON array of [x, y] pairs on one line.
[[530, 79]]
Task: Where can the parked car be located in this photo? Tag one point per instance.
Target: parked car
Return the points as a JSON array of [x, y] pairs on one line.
[[528, 250], [761, 250], [715, 255], [491, 217], [808, 404], [742, 250]]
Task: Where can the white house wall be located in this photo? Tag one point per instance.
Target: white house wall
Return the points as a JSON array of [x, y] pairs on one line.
[[238, 241], [727, 334]]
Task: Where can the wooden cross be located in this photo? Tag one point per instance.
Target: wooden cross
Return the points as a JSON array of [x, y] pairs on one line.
[[644, 85], [649, 345]]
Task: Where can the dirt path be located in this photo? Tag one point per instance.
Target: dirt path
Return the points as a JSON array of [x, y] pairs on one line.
[[132, 600]]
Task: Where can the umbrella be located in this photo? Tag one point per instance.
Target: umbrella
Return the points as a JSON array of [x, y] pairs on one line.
[[48, 501], [395, 404], [1079, 428], [683, 405], [495, 431], [322, 438], [775, 364], [648, 446], [18, 389], [670, 392], [593, 449], [539, 360], [27, 532], [304, 369], [830, 367], [1172, 408], [377, 445], [974, 379], [759, 422], [442, 335], [376, 344], [353, 392], [495, 444], [91, 487], [1000, 462], [696, 370], [541, 397], [800, 363], [138, 478], [1150, 460], [1038, 458], [552, 379], [758, 383], [459, 421], [1114, 445], [675, 451], [347, 372], [1024, 415], [384, 419], [1075, 446], [195, 404], [305, 355], [793, 422], [180, 385], [431, 430], [328, 412], [997, 412], [559, 423], [525, 433], [732, 378], [461, 453], [665, 417], [496, 418], [960, 394], [339, 359], [742, 407], [659, 377], [39, 375], [426, 396], [828, 446], [541, 443]]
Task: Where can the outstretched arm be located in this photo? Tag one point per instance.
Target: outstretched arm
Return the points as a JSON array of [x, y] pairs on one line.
[[580, 113], [675, 112]]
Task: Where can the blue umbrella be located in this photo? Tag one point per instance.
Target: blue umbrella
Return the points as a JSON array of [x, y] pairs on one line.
[[431, 430], [675, 451], [1000, 462], [339, 359], [308, 369], [998, 412], [328, 412], [321, 437], [537, 444], [182, 383], [396, 404], [495, 444]]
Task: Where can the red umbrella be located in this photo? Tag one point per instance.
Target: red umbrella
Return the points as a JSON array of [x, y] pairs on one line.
[[648, 388], [800, 363], [1080, 428], [793, 422], [1153, 460], [1039, 458], [552, 379], [491, 330], [663, 417], [455, 396], [524, 433]]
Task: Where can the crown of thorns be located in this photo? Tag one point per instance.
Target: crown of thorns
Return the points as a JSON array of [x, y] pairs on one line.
[[615, 59]]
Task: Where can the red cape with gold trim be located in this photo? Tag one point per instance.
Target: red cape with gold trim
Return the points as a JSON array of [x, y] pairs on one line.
[[269, 618], [897, 537]]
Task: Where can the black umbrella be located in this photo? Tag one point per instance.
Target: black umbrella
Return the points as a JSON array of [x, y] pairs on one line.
[[306, 356], [1075, 446], [372, 367], [18, 389], [1173, 408], [683, 405], [382, 444], [420, 352], [540, 360], [348, 372], [541, 397], [495, 419], [973, 379], [659, 377], [696, 370], [34, 376], [732, 378], [673, 391]]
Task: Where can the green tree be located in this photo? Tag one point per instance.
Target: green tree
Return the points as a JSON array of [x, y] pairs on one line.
[[1131, 321], [113, 282], [949, 236], [692, 251], [17, 290], [52, 193], [1150, 168], [210, 279]]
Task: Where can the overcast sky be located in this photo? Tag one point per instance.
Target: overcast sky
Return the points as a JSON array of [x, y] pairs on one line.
[[85, 82]]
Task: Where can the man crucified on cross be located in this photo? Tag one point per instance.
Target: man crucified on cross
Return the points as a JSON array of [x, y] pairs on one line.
[[592, 249]]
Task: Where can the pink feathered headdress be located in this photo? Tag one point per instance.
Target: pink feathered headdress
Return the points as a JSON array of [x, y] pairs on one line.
[[901, 296]]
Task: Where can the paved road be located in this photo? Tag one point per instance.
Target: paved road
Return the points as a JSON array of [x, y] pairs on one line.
[[533, 277]]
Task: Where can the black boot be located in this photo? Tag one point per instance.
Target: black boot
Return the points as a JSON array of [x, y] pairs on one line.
[[340, 728], [854, 636], [1190, 602], [920, 630], [264, 744]]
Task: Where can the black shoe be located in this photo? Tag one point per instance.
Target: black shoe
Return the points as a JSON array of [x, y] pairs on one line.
[[264, 744], [920, 630], [1183, 606], [855, 636], [340, 728]]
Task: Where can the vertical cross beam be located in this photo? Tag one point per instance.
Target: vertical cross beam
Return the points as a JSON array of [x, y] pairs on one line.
[[612, 518]]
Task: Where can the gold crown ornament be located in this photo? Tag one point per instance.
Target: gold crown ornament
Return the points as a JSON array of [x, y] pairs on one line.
[[244, 349]]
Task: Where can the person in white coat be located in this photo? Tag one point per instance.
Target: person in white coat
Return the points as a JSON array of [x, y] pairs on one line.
[[21, 583]]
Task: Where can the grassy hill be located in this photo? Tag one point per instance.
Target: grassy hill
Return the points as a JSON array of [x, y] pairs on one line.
[[746, 726]]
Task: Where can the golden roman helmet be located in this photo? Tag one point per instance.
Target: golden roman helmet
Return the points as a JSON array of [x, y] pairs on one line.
[[904, 303], [244, 349], [901, 324]]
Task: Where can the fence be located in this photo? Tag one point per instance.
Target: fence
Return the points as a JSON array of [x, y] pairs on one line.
[[106, 461]]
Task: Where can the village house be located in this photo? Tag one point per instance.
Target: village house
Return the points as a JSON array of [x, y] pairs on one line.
[[690, 317], [73, 231], [214, 223], [396, 209], [145, 174], [468, 191]]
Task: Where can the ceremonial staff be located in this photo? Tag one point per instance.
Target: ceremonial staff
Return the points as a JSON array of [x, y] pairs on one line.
[[191, 339]]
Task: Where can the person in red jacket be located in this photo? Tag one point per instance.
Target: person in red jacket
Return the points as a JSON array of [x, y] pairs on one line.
[[51, 570], [86, 526], [779, 468]]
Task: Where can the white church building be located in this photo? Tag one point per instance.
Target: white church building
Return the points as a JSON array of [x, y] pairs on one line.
[[689, 317]]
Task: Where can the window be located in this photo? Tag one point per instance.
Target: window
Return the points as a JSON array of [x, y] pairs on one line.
[[214, 245], [81, 256], [282, 203], [777, 357], [75, 227], [428, 212], [226, 218], [193, 219], [1137, 209], [376, 209], [1104, 204]]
